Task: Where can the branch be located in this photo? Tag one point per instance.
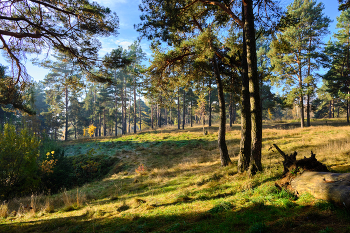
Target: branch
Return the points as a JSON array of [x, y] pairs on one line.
[[52, 7], [20, 35], [18, 64], [226, 9]]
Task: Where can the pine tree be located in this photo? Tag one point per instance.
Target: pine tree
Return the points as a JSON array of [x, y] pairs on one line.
[[337, 78], [296, 51]]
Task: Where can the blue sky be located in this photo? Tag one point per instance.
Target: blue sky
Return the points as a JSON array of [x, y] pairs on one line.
[[128, 13]]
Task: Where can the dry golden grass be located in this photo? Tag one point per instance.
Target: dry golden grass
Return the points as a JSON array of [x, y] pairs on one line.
[[183, 178]]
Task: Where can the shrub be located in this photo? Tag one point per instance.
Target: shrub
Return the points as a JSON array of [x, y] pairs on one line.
[[56, 169], [19, 152], [89, 167], [72, 171]]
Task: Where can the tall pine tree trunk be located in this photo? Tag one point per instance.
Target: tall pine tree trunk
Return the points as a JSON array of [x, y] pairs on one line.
[[66, 123], [183, 109], [170, 118], [245, 143], [178, 109], [209, 103], [166, 116], [116, 105], [99, 124], [104, 123], [230, 110], [123, 109], [135, 111], [140, 107], [157, 115], [191, 114], [347, 110], [152, 116], [301, 98], [160, 117], [129, 117], [308, 123], [256, 132], [224, 156]]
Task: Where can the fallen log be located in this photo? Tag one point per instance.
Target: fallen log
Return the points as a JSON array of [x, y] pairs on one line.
[[308, 175]]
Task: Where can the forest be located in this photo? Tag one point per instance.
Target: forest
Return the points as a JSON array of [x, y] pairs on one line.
[[210, 131]]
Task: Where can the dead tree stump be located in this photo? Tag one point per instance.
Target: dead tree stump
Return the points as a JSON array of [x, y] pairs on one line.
[[311, 176]]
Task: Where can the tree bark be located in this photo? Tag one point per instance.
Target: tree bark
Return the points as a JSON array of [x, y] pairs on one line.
[[310, 176], [135, 109], [66, 123], [224, 156], [184, 109], [129, 117], [308, 123], [347, 110], [230, 110], [104, 123], [209, 103], [191, 113], [178, 109], [123, 110], [245, 143], [256, 122], [140, 108], [152, 116], [166, 116], [160, 117], [116, 106]]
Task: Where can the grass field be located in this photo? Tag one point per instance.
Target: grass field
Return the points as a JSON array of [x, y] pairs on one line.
[[171, 181]]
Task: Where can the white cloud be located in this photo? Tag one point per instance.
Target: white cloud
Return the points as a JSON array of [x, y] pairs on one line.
[[124, 43]]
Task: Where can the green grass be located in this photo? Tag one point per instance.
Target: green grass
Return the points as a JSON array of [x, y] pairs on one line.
[[184, 188]]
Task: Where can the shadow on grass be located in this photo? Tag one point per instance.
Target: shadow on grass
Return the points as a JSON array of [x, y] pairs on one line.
[[223, 217]]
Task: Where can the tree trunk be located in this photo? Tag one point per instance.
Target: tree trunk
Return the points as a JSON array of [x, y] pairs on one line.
[[152, 116], [135, 109], [123, 110], [104, 123], [308, 121], [301, 104], [116, 105], [66, 123], [140, 108], [99, 124], [245, 143], [170, 118], [230, 110], [166, 116], [209, 103], [178, 109], [184, 109], [330, 109], [308, 124], [160, 117], [129, 117], [310, 176], [75, 129], [347, 111], [256, 132], [301, 98], [191, 114], [224, 156]]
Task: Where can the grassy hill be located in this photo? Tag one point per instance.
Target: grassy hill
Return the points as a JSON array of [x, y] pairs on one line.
[[171, 181]]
